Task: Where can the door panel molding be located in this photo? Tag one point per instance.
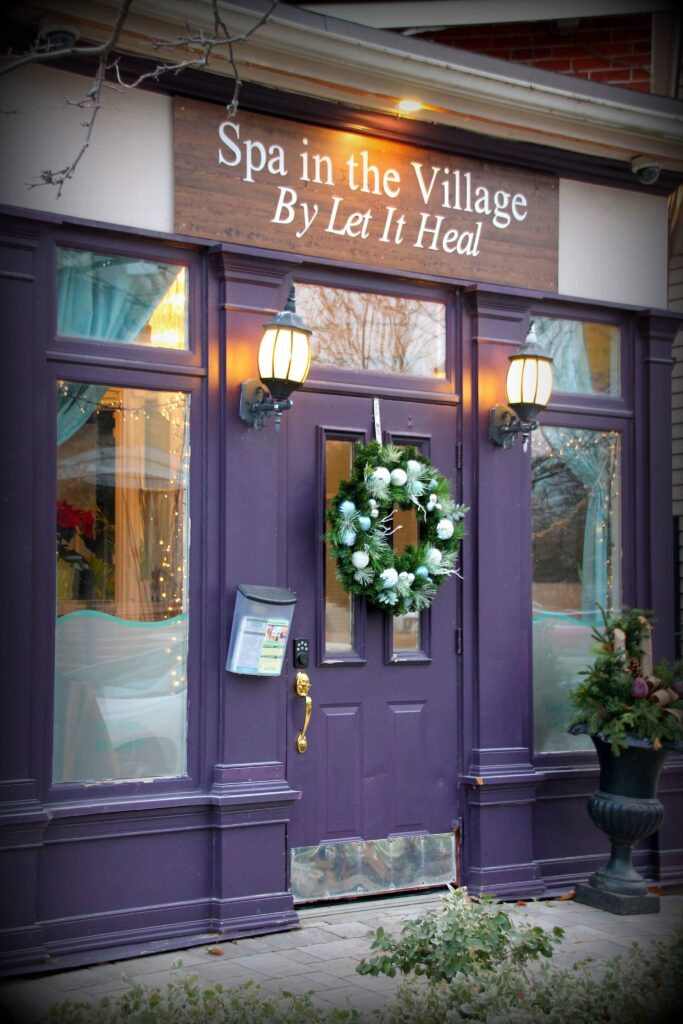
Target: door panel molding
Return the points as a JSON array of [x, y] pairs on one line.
[[407, 725], [342, 726]]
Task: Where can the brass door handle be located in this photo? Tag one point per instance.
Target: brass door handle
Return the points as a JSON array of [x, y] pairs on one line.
[[302, 686]]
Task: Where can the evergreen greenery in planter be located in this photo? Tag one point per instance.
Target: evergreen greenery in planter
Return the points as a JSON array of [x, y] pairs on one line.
[[622, 698]]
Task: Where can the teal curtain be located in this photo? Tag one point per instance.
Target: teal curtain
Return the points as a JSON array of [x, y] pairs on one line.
[[117, 697], [592, 457], [104, 298], [589, 455], [563, 340], [107, 298], [74, 407]]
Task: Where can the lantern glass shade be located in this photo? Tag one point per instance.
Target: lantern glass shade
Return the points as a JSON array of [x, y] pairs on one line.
[[529, 384], [284, 359]]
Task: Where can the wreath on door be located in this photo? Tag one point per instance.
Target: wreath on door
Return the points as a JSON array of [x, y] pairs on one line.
[[360, 518]]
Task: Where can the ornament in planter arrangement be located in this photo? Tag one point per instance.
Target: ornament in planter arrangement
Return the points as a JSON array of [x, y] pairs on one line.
[[384, 476], [634, 715]]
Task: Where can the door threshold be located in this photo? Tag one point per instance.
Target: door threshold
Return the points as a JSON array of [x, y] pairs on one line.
[[353, 904], [372, 867]]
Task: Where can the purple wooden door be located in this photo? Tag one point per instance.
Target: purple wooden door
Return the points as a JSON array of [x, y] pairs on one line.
[[378, 779]]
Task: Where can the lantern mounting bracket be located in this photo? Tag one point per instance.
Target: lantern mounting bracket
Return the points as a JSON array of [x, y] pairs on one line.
[[504, 426], [256, 405]]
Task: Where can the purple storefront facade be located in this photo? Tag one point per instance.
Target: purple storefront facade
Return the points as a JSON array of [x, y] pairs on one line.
[[150, 798]]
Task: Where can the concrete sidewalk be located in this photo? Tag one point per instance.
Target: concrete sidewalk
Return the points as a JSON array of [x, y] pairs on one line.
[[321, 956]]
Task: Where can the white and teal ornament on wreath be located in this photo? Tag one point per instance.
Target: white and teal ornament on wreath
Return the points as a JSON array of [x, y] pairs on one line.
[[360, 517]]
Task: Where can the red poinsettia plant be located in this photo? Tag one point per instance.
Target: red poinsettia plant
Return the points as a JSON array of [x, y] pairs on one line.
[[82, 520]]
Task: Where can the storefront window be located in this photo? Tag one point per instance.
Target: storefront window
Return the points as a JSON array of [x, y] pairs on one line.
[[576, 565], [121, 299], [339, 607], [122, 571], [368, 331], [585, 355]]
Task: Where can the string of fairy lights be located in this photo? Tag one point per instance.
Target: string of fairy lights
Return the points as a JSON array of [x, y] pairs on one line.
[[112, 400], [161, 509]]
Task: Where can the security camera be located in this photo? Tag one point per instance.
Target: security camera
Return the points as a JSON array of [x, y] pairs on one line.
[[56, 33], [645, 170]]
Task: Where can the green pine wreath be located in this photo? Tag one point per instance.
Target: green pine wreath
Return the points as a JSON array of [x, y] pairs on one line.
[[360, 518]]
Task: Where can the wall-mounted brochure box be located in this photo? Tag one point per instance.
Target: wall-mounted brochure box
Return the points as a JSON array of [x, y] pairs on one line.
[[260, 630]]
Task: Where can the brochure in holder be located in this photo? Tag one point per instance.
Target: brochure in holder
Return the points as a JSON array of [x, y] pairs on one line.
[[260, 630]]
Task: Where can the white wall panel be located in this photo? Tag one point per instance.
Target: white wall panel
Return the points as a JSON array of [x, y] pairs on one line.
[[613, 245], [125, 177]]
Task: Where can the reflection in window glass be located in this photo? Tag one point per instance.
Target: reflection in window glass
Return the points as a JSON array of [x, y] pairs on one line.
[[576, 565], [338, 604], [121, 299], [367, 331], [406, 628], [585, 355], [122, 564]]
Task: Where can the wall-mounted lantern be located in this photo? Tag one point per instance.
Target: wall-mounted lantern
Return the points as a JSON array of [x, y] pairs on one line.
[[528, 388], [284, 358]]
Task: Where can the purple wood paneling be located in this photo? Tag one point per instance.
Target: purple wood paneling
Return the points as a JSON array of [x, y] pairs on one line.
[[200, 853], [407, 728], [654, 362], [342, 727], [254, 525], [499, 776], [23, 315], [341, 681], [210, 851]]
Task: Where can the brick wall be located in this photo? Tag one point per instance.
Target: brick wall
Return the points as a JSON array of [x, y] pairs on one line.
[[616, 50]]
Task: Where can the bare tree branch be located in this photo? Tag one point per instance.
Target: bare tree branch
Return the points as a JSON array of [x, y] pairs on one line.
[[92, 101], [207, 44]]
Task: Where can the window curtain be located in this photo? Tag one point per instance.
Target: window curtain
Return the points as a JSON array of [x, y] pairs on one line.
[[591, 456], [107, 299], [75, 407], [563, 340], [120, 704]]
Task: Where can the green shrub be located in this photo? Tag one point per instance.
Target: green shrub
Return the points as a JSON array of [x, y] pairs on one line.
[[184, 1001], [641, 987], [462, 937]]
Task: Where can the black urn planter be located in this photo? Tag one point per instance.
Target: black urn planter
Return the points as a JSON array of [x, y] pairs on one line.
[[625, 807]]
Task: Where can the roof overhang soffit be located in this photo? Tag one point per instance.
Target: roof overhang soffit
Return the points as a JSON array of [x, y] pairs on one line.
[[313, 55]]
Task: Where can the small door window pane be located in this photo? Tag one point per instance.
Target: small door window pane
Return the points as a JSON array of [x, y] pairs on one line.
[[121, 299], [378, 333], [407, 637], [576, 566], [122, 546], [339, 606], [585, 355]]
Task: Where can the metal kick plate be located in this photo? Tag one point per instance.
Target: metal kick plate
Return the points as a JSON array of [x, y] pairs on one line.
[[333, 870]]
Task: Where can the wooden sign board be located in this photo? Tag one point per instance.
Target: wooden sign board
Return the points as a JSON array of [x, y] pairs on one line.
[[283, 185]]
